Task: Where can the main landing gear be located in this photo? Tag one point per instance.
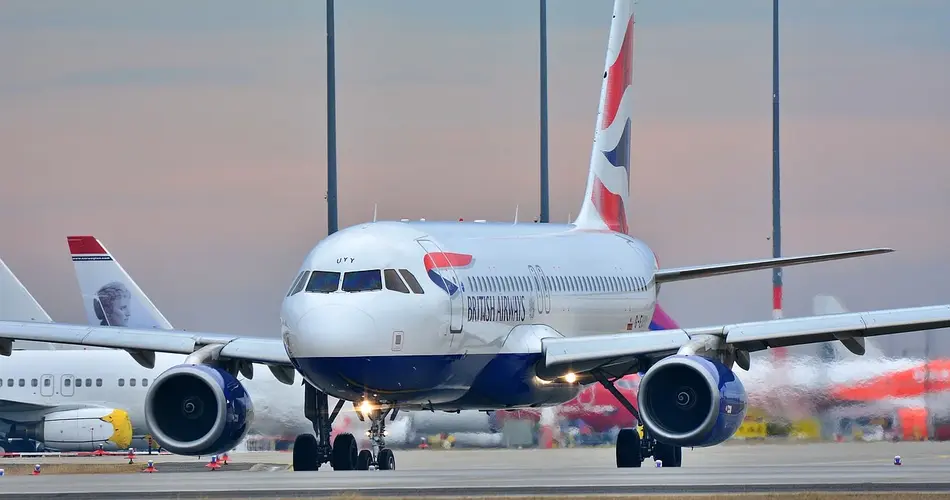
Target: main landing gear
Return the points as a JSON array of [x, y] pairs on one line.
[[632, 448], [311, 451]]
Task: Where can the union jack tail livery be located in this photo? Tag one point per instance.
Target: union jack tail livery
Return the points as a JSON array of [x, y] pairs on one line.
[[608, 182]]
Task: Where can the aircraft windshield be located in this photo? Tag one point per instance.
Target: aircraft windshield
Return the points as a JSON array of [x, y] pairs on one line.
[[411, 281], [323, 282], [363, 281]]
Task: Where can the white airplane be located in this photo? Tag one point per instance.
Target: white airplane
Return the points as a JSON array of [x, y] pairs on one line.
[[505, 316], [44, 400]]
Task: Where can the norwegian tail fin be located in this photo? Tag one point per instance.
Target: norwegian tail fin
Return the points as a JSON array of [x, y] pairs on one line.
[[110, 296], [608, 181], [16, 302]]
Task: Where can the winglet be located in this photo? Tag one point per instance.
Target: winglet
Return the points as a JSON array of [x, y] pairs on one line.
[[695, 272]]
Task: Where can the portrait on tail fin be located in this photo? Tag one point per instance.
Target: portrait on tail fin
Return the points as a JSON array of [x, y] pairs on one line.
[[112, 304]]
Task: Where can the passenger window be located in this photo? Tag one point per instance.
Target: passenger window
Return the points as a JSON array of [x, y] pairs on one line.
[[46, 382], [121, 382], [98, 382], [131, 382], [9, 382], [144, 382], [88, 382], [21, 382], [394, 282], [300, 284], [363, 281], [411, 281], [328, 281], [68, 382], [78, 382], [293, 285], [35, 383]]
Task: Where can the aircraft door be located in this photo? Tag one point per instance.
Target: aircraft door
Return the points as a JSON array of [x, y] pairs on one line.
[[66, 385], [46, 386], [439, 268], [546, 286], [538, 289]]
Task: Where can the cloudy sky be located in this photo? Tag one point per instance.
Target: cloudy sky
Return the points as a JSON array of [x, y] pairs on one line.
[[190, 136]]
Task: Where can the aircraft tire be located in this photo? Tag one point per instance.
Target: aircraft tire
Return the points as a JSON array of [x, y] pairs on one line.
[[628, 450], [345, 452], [364, 459], [671, 456], [305, 453], [386, 459]]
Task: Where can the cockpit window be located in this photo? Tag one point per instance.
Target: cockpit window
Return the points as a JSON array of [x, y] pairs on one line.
[[298, 285], [411, 281], [394, 282], [323, 282], [293, 286], [362, 281]]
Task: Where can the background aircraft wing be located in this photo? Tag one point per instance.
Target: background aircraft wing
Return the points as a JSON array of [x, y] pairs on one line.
[[250, 349], [582, 354]]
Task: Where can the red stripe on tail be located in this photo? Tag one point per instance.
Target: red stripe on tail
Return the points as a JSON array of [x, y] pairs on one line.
[[619, 76], [85, 245]]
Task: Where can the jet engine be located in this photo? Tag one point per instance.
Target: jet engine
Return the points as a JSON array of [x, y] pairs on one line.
[[691, 401], [83, 429], [195, 409]]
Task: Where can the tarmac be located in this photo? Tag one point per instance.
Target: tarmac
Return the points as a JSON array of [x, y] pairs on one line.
[[733, 468]]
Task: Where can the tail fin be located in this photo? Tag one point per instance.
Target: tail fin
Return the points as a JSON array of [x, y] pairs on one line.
[[16, 302], [608, 182], [109, 295]]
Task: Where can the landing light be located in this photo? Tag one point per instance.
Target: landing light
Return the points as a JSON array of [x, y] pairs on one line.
[[570, 378], [365, 407]]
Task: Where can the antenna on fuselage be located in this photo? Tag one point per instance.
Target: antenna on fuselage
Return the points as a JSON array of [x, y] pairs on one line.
[[374, 211], [516, 213]]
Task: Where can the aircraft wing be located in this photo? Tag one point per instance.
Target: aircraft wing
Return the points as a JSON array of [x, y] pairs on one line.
[[583, 354], [705, 271], [251, 349]]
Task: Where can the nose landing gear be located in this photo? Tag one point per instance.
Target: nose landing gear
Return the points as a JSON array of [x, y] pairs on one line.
[[378, 456], [311, 451]]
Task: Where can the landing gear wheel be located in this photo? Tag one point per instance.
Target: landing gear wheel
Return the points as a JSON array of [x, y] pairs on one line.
[[345, 452], [364, 459], [305, 453], [670, 455], [629, 453], [386, 459]]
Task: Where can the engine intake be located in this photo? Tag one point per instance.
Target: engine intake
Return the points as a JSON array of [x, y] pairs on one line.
[[691, 401], [198, 410]]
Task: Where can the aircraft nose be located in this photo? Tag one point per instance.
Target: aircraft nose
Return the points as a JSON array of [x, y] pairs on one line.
[[335, 330]]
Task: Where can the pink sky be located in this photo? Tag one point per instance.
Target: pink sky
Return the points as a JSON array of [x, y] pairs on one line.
[[197, 152]]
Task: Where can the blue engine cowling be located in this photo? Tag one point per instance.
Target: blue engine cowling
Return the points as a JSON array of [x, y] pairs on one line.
[[198, 410], [691, 401]]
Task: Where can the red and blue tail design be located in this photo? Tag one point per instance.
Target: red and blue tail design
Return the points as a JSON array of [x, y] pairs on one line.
[[433, 261], [608, 182]]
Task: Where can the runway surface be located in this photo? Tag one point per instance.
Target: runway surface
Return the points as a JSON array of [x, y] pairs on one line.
[[725, 469]]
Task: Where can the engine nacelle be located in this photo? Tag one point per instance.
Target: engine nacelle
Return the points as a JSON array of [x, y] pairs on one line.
[[198, 410], [84, 429], [691, 401]]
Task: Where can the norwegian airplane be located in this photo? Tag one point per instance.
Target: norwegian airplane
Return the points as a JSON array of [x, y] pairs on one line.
[[504, 316], [41, 398]]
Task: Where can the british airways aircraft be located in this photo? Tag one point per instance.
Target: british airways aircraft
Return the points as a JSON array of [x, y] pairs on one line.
[[451, 316]]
